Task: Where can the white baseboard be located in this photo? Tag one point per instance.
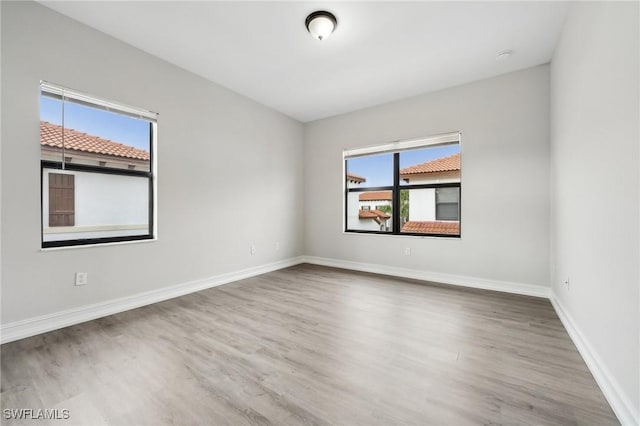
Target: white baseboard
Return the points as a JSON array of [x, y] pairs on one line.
[[32, 326], [620, 403], [609, 386], [438, 277]]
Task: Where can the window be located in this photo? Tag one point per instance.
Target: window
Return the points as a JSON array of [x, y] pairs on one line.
[[447, 203], [97, 169], [405, 188]]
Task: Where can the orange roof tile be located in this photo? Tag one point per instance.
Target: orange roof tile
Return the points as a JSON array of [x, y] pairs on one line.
[[355, 178], [444, 164], [51, 135], [433, 227], [376, 196], [372, 214]]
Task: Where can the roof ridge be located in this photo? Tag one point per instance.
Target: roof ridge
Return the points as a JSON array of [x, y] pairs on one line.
[[431, 166], [85, 142]]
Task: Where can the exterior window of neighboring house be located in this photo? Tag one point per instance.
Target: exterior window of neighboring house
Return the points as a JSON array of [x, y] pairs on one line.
[[97, 169], [447, 204], [405, 188]]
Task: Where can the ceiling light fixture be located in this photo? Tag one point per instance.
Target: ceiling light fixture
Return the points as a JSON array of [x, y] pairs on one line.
[[321, 24]]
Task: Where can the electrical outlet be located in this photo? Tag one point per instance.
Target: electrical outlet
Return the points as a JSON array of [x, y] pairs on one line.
[[566, 282], [253, 249], [277, 246], [407, 251], [82, 278]]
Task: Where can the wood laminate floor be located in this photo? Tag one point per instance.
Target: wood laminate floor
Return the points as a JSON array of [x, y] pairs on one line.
[[317, 346]]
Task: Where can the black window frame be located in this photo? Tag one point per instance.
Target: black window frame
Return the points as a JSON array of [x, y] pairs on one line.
[[395, 203], [150, 175]]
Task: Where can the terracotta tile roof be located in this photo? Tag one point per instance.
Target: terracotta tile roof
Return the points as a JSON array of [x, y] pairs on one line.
[[372, 214], [433, 227], [51, 135], [376, 196], [355, 178], [445, 164]]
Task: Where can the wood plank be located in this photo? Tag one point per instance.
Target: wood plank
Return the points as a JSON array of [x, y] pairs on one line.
[[313, 345]]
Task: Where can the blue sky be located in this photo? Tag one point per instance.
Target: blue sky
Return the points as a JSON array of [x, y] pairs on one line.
[[378, 169], [116, 127]]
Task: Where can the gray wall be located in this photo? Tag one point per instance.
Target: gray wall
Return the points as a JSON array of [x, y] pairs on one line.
[[230, 174], [229, 170], [594, 157], [505, 179]]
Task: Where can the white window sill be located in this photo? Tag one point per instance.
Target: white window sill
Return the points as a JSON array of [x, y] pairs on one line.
[[117, 243], [431, 237]]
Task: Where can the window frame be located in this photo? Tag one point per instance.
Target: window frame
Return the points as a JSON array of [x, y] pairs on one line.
[[150, 175], [396, 148]]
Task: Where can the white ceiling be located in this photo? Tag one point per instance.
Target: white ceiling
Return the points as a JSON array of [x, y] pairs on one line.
[[380, 52]]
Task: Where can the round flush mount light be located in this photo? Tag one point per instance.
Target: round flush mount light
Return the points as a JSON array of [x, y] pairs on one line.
[[504, 55], [321, 24]]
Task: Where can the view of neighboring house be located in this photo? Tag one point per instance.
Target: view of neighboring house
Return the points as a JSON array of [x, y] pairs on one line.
[[364, 207], [433, 210], [89, 204], [368, 211], [354, 180], [424, 210], [374, 207], [440, 170], [81, 148]]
